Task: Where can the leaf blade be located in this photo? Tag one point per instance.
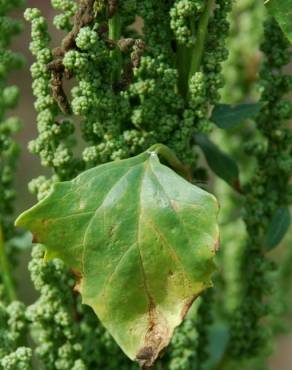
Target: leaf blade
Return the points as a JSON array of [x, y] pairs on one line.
[[129, 245], [219, 162], [227, 116], [281, 10], [278, 227]]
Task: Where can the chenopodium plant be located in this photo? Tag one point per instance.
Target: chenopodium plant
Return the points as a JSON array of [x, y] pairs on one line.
[[13, 324], [131, 93], [140, 238]]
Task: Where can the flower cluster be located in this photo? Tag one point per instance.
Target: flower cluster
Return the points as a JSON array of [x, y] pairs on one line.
[[53, 143], [8, 125], [13, 327], [267, 191]]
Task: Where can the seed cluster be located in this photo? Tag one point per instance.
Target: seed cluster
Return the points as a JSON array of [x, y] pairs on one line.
[[267, 190]]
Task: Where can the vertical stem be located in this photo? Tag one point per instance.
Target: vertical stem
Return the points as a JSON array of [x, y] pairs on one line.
[[198, 49], [183, 67], [6, 271], [189, 58], [115, 34]]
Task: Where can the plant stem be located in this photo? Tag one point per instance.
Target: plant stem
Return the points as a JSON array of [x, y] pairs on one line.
[[189, 58], [183, 67], [198, 50], [171, 158], [115, 34], [6, 271]]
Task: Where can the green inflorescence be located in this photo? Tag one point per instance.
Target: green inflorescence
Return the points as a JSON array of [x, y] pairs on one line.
[[9, 125], [14, 355], [267, 190]]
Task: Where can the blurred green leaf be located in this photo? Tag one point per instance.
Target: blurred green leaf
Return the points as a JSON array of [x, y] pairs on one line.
[[281, 10], [219, 162], [22, 241], [278, 227], [228, 116], [219, 336]]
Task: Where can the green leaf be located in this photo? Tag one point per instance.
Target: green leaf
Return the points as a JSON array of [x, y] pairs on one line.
[[278, 227], [229, 116], [219, 162], [282, 11], [219, 336], [141, 238]]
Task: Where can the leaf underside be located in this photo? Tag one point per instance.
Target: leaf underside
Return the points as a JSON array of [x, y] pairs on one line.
[[219, 162], [278, 227], [141, 238], [228, 116]]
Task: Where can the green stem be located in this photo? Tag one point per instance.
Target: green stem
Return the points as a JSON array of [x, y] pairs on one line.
[[183, 67], [115, 34], [198, 50], [171, 158], [6, 271], [189, 59]]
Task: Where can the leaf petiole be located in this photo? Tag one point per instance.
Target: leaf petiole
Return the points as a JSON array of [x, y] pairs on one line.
[[171, 158]]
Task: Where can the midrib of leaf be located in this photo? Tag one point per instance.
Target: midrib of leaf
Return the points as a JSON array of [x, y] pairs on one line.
[[107, 283], [149, 296], [181, 222], [96, 211], [176, 216]]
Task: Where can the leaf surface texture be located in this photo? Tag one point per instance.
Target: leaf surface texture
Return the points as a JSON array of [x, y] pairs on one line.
[[141, 238]]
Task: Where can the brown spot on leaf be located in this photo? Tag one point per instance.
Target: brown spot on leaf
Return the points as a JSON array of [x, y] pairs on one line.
[[156, 339], [145, 353], [112, 230]]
